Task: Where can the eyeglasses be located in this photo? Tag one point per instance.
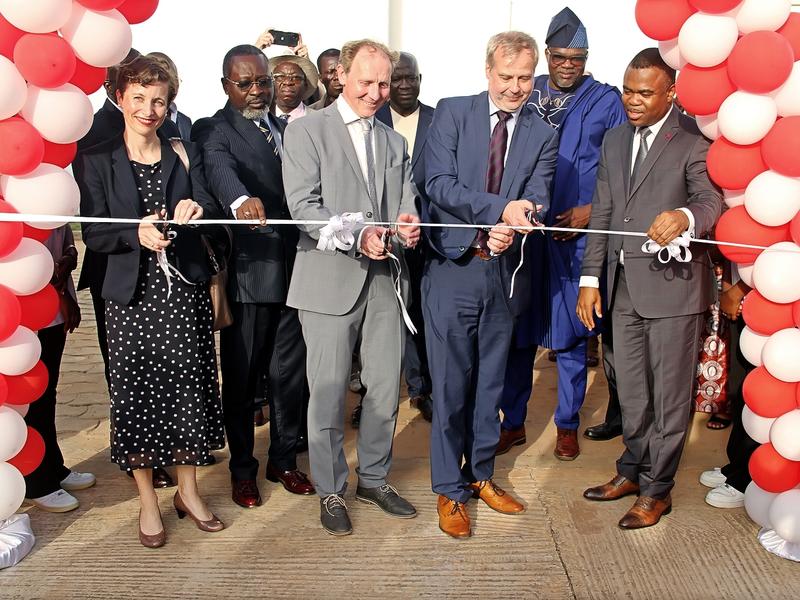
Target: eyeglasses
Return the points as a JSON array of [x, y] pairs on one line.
[[281, 79], [262, 82], [559, 59]]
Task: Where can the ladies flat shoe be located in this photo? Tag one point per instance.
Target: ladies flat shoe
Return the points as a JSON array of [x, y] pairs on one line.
[[212, 525]]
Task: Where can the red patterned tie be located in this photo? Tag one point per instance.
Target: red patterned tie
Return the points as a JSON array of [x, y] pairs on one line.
[[497, 154]]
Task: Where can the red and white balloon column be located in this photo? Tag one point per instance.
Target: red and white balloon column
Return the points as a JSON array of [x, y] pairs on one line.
[[52, 54], [739, 63]]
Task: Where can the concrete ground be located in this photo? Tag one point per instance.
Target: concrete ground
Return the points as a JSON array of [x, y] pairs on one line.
[[562, 547]]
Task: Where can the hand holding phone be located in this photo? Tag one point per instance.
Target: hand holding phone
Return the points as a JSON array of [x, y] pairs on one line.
[[285, 38]]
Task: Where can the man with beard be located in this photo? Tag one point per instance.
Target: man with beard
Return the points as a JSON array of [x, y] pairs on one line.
[[581, 110], [326, 65], [295, 81], [242, 156]]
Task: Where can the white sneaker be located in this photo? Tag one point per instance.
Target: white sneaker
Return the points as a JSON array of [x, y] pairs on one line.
[[78, 481], [725, 496], [713, 478], [56, 502]]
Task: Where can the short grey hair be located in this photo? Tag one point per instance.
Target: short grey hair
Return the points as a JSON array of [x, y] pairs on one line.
[[512, 43]]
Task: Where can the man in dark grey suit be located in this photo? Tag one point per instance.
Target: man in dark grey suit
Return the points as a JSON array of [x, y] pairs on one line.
[[342, 160], [652, 176]]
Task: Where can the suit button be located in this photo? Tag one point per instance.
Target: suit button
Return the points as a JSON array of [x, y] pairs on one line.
[[369, 214], [627, 220], [461, 248]]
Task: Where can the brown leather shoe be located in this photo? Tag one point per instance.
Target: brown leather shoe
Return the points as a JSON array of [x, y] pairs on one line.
[[453, 517], [510, 438], [566, 444], [245, 493], [646, 512], [211, 526], [295, 481], [613, 490], [151, 541], [496, 498]]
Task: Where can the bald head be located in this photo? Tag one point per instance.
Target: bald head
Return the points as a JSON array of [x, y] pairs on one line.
[[406, 79]]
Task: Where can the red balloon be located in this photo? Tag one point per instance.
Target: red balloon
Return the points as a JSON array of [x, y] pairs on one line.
[[781, 147], [764, 316], [8, 38], [768, 396], [794, 227], [30, 457], [40, 235], [137, 11], [791, 31], [60, 155], [39, 309], [715, 6], [702, 91], [761, 62], [87, 78], [3, 389], [100, 4], [733, 167], [10, 232], [662, 19], [22, 148], [45, 60], [10, 312], [735, 225], [28, 387], [773, 473], [796, 313]]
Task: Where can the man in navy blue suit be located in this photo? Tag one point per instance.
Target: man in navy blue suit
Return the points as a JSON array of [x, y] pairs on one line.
[[489, 162]]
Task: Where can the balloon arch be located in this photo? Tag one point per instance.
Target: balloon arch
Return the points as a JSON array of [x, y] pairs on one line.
[[739, 74]]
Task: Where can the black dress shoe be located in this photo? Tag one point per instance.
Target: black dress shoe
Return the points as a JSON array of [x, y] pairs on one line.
[[388, 500], [602, 432], [425, 406], [333, 515]]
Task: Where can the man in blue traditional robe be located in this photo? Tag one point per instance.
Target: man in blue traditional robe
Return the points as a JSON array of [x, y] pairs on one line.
[[581, 110]]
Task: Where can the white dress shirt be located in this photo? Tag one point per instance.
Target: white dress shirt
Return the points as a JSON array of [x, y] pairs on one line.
[[353, 123], [406, 126], [296, 113]]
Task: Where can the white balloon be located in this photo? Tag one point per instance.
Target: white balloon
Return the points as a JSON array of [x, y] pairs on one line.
[[780, 355], [734, 198], [751, 344], [14, 433], [746, 118], [27, 269], [746, 273], [709, 125], [776, 274], [47, 190], [62, 115], [707, 40], [787, 97], [671, 54], [21, 409], [756, 426], [13, 89], [773, 199], [36, 16], [757, 503], [12, 490], [758, 15], [784, 514], [101, 39], [785, 435], [19, 352]]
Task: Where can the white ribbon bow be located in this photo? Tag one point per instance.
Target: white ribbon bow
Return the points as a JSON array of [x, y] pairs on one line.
[[338, 233], [677, 249]]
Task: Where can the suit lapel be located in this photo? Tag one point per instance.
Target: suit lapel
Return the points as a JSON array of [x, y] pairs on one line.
[[249, 132], [424, 123], [168, 161], [345, 141], [519, 140], [381, 143], [125, 185], [626, 157], [478, 135], [665, 135]]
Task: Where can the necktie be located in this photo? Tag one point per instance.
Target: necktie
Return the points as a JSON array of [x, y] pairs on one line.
[[644, 148], [270, 138], [284, 117], [497, 155], [373, 193]]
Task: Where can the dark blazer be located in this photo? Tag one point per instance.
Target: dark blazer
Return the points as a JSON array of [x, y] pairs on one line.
[[673, 176], [239, 162], [108, 189], [184, 125]]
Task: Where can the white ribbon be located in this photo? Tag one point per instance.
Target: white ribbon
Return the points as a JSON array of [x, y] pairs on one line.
[[399, 293], [677, 249], [338, 233], [168, 270]]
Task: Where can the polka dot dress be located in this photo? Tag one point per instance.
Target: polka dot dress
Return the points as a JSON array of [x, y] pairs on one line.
[[165, 406]]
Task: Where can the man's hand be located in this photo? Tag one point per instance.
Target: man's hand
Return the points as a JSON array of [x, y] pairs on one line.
[[408, 233], [574, 218], [252, 208], [500, 239], [516, 213], [265, 39], [301, 49], [730, 300], [149, 236], [62, 268], [372, 243], [589, 305], [668, 226], [187, 210], [71, 313]]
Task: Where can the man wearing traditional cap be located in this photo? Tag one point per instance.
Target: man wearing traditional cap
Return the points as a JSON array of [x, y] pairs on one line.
[[296, 81], [581, 110]]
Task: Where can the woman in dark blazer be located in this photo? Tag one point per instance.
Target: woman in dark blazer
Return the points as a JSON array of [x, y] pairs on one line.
[[165, 408]]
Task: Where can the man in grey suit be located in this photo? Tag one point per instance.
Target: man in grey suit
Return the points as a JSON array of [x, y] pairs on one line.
[[343, 160], [652, 176]]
